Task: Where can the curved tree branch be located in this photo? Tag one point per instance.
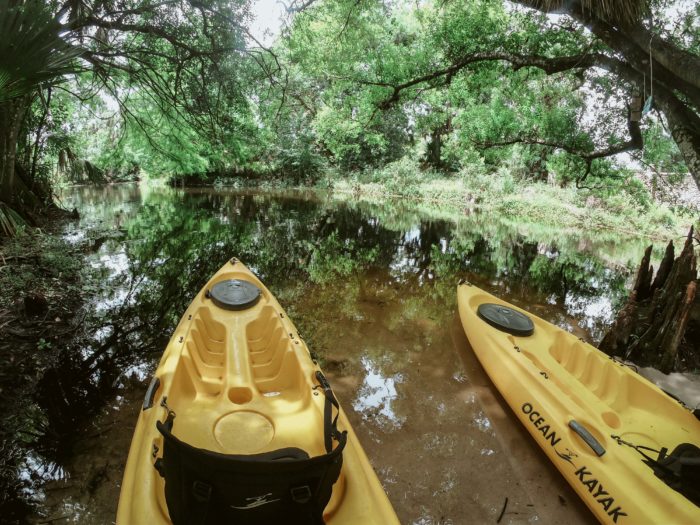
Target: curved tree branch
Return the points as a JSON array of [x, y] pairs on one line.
[[635, 142], [683, 123]]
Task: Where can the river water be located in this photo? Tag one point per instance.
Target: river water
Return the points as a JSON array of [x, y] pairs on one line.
[[371, 287]]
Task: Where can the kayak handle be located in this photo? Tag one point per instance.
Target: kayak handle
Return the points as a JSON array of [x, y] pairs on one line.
[[151, 393], [587, 437]]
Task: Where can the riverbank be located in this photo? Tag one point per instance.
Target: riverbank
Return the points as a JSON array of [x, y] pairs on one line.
[[628, 207], [40, 309], [51, 383], [540, 203]]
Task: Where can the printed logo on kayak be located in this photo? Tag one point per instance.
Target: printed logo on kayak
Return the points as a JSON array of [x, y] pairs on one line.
[[537, 420], [601, 495], [584, 475], [257, 501]]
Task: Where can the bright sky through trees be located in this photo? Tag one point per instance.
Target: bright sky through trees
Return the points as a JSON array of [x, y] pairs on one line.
[[268, 19]]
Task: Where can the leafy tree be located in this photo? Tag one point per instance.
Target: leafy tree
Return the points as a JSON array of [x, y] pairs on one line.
[[173, 61], [643, 43], [544, 57]]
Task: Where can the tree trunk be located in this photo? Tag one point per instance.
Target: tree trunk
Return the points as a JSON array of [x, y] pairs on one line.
[[651, 329], [682, 63], [37, 142], [11, 115], [435, 148], [683, 121], [676, 71]]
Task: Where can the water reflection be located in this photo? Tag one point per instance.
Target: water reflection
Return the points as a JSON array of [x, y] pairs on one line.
[[376, 395], [482, 422], [371, 288]]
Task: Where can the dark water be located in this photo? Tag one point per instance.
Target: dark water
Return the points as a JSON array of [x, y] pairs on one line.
[[372, 290]]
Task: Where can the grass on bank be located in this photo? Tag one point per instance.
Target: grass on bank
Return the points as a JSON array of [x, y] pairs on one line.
[[623, 205]]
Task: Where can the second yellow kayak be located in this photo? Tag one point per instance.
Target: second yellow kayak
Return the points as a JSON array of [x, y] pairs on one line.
[[629, 450]]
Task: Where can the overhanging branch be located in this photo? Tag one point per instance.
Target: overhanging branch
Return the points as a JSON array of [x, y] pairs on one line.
[[547, 64]]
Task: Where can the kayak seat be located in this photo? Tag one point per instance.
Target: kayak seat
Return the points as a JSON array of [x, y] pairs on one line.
[[204, 487], [680, 470]]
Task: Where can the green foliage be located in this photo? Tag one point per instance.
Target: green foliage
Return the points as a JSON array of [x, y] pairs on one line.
[[194, 95], [161, 86], [32, 49], [42, 260], [333, 258], [662, 153], [508, 121], [10, 221]]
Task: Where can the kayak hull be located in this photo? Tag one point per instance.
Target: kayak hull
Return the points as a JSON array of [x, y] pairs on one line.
[[242, 382], [551, 379]]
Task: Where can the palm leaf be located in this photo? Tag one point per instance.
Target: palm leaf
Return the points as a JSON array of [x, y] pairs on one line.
[[33, 49], [10, 221]]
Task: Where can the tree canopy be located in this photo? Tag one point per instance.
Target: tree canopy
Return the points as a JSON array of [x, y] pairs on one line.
[[575, 90], [569, 83], [174, 69]]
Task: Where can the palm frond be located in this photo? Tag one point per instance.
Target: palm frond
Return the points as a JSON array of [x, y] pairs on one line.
[[32, 47], [10, 221]]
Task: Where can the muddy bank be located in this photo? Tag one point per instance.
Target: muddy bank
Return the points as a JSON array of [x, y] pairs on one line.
[[57, 347], [40, 311]]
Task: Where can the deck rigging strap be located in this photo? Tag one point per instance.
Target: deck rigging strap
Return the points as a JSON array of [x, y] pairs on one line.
[[680, 469], [638, 448], [330, 427]]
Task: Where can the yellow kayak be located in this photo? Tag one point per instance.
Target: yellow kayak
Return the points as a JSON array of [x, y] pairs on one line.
[[628, 449], [239, 425]]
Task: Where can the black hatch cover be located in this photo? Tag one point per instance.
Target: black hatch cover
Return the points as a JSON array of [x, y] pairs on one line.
[[506, 319], [235, 294]]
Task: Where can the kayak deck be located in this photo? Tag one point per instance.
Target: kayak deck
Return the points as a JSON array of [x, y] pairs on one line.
[[552, 378], [243, 382]]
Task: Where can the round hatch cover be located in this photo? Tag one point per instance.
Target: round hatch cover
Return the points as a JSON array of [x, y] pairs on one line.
[[235, 294], [506, 319]]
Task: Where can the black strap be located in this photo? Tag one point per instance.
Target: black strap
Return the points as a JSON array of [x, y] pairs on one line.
[[639, 448], [330, 426], [200, 491]]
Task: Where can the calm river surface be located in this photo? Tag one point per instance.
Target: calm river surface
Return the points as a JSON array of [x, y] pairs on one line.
[[372, 290]]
